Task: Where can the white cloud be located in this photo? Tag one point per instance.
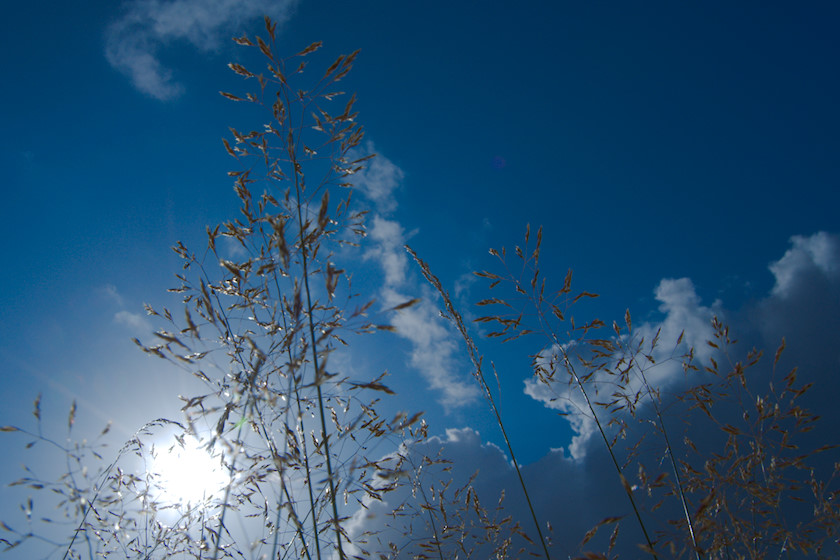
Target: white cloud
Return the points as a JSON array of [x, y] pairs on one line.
[[683, 315], [434, 349], [135, 39], [110, 292], [803, 306], [818, 254], [388, 240], [378, 180], [134, 321], [685, 319], [463, 284], [440, 468], [574, 493], [435, 467]]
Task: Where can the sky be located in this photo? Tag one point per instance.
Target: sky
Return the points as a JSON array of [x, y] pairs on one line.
[[681, 159]]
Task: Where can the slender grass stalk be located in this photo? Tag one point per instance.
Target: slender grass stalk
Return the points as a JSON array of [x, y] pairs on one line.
[[567, 363], [318, 373], [294, 389], [455, 317], [437, 536], [304, 250], [670, 450], [570, 368], [626, 485], [249, 406], [99, 487]]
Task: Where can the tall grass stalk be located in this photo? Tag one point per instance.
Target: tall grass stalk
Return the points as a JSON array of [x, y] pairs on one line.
[[680, 487], [269, 290], [741, 490], [510, 326], [453, 314]]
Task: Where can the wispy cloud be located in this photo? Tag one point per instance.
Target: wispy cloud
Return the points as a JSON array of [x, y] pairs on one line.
[[138, 323], [388, 239], [110, 292], [134, 321], [434, 350], [133, 42], [379, 180]]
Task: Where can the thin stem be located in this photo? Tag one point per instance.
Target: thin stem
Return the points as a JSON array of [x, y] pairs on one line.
[[571, 370], [455, 317], [435, 533], [315, 362], [104, 477], [293, 383], [676, 470]]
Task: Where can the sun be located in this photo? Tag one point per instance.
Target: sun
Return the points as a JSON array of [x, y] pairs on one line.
[[186, 473]]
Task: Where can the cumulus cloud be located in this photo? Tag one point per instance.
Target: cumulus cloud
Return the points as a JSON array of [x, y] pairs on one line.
[[439, 469], [803, 308], [810, 258], [569, 496], [803, 304], [685, 319], [133, 42]]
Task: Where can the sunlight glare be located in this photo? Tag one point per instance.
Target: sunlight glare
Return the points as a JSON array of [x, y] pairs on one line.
[[188, 474]]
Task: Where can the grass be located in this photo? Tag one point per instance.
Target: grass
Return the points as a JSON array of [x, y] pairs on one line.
[[302, 443], [752, 492]]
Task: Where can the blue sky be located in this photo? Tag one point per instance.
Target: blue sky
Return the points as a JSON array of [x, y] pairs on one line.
[[681, 159]]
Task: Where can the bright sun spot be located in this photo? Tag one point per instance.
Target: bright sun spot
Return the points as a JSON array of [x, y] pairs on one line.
[[188, 473]]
